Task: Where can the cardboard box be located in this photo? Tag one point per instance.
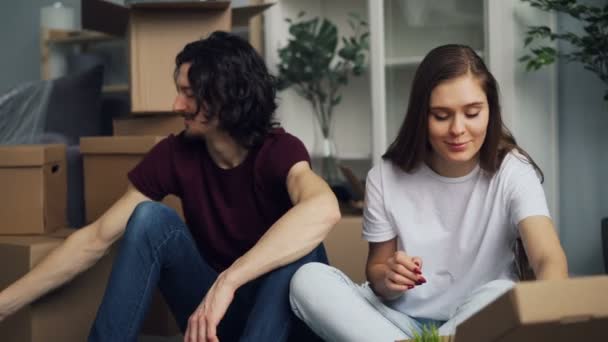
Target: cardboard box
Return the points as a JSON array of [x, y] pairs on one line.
[[34, 188], [158, 125], [558, 311], [156, 32], [107, 161], [566, 310], [65, 314], [346, 249]]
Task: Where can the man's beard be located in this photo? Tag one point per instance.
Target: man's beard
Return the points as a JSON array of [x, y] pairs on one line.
[[193, 136]]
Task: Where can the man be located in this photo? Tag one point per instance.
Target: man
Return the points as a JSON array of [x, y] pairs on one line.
[[254, 213]]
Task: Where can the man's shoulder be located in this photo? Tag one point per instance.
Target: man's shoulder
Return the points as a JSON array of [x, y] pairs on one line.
[[279, 134], [279, 152], [278, 141]]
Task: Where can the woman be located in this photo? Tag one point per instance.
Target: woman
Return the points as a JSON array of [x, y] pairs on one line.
[[442, 213]]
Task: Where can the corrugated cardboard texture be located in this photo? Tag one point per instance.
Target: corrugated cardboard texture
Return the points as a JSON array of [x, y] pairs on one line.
[[65, 314], [34, 189], [346, 249], [149, 125], [155, 38], [107, 161], [559, 310]]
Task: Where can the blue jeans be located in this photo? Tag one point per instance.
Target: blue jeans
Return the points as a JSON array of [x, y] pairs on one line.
[[158, 250]]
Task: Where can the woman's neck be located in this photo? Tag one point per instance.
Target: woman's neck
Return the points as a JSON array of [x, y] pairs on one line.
[[451, 169]]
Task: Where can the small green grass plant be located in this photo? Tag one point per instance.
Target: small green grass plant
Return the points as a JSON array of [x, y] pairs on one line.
[[429, 333]]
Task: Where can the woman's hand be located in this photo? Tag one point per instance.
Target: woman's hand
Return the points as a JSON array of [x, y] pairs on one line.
[[403, 272]]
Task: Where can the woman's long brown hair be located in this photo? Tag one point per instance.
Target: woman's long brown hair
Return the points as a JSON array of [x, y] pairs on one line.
[[411, 147]]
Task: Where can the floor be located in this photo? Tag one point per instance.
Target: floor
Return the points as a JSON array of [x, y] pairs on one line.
[[177, 338]]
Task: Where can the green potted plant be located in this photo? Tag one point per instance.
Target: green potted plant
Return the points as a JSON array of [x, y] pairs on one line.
[[317, 67], [590, 47]]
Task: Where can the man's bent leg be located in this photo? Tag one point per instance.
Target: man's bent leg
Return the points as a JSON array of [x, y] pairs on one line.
[[156, 246], [271, 318]]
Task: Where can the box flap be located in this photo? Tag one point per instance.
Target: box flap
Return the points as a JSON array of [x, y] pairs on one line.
[[118, 145], [191, 5], [579, 298], [541, 311], [104, 16], [111, 18], [242, 14], [31, 155]]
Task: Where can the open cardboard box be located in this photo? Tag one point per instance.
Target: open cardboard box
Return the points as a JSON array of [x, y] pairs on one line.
[[156, 32], [34, 189], [566, 310]]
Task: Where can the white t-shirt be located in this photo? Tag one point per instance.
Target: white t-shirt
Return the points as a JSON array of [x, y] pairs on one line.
[[463, 228]]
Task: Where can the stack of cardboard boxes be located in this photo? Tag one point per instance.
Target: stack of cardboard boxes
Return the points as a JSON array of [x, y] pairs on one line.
[[33, 223], [33, 178]]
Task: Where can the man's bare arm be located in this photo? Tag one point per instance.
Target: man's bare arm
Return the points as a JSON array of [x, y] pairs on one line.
[[77, 253], [297, 232]]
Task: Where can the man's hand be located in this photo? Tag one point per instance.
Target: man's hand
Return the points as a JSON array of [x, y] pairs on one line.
[[202, 324]]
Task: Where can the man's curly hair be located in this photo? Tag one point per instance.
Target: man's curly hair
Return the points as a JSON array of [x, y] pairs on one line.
[[230, 80]]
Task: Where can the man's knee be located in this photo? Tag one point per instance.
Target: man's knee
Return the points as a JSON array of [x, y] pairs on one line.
[[148, 217]]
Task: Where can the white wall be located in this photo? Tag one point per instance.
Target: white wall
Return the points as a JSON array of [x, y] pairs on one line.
[[20, 40], [583, 137], [528, 99], [352, 116]]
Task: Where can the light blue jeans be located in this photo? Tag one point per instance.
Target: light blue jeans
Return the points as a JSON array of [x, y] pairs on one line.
[[339, 310]]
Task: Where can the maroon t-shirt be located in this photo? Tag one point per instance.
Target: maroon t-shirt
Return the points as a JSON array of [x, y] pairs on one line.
[[227, 211]]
